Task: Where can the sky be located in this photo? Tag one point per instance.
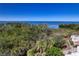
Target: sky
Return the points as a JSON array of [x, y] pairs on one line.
[[39, 11]]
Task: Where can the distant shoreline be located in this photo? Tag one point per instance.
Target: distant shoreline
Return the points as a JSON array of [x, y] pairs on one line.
[[42, 22]]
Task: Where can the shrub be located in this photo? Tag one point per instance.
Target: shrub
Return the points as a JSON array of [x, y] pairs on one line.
[[30, 52], [59, 42], [54, 51]]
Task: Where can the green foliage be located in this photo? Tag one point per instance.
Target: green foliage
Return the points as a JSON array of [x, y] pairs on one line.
[[18, 51], [59, 42], [54, 51], [31, 52], [18, 39], [70, 26]]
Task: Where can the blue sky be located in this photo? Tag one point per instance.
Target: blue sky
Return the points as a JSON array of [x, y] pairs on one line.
[[39, 12]]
